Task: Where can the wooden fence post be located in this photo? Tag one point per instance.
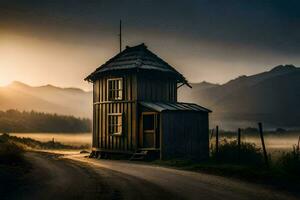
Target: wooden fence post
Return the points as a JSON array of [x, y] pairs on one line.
[[263, 144], [239, 143], [298, 148], [217, 141], [298, 143], [212, 134], [211, 146]]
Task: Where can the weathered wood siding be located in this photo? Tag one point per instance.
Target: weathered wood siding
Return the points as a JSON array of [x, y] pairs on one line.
[[184, 134], [102, 140], [151, 88]]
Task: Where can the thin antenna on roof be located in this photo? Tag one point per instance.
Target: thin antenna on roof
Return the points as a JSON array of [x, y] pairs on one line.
[[120, 35]]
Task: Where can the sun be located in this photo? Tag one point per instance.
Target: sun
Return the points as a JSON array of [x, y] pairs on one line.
[[4, 81], [7, 74]]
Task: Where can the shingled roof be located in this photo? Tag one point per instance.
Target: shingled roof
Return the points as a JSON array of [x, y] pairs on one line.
[[136, 57]]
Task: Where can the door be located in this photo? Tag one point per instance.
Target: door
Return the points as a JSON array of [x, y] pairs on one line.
[[148, 133]]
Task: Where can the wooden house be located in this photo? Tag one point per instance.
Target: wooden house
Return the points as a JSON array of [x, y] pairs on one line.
[[135, 109]]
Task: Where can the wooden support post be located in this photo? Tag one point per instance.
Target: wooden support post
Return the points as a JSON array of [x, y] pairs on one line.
[[217, 140], [263, 144], [239, 143]]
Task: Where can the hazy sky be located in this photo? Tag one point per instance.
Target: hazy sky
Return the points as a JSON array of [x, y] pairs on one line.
[[61, 42]]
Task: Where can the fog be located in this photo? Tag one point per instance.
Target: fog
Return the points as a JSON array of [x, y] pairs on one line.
[[77, 139], [275, 144]]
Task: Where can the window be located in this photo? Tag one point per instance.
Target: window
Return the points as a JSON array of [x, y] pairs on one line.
[[115, 89], [115, 123], [148, 122]]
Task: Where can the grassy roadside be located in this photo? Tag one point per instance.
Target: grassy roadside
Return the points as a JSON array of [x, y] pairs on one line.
[[13, 167], [283, 173], [243, 172]]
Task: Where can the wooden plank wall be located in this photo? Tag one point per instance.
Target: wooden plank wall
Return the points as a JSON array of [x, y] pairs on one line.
[[136, 87], [151, 89], [184, 134], [94, 115], [102, 107]]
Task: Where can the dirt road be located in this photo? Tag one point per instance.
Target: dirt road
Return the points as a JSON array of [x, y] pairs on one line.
[[76, 177]]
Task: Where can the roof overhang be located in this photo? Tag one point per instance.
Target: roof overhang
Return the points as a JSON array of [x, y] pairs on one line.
[[173, 106]]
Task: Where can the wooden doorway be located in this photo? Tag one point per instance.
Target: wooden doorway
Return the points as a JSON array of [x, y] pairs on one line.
[[148, 130]]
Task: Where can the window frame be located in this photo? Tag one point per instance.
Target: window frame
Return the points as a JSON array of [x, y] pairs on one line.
[[114, 90], [117, 125]]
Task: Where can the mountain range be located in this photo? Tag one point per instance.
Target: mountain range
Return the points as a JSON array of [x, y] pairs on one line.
[[47, 98], [271, 97]]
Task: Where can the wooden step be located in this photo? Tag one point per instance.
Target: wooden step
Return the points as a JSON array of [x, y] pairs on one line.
[[139, 155]]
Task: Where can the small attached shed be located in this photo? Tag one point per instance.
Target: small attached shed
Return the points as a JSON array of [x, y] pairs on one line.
[[181, 128]]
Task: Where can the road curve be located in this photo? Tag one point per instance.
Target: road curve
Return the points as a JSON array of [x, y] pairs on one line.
[[185, 184], [77, 177]]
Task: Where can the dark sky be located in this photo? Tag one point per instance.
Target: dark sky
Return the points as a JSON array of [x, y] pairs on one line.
[[205, 40]]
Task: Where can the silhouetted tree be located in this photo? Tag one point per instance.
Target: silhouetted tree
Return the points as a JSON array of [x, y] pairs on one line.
[[16, 121]]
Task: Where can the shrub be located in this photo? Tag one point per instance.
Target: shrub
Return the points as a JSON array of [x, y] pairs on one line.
[[290, 162], [229, 152], [10, 153]]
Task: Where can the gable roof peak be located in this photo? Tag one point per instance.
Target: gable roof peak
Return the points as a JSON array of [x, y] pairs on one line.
[[141, 46]]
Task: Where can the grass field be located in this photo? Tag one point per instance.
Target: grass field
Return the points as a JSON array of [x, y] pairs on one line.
[[276, 143], [247, 163]]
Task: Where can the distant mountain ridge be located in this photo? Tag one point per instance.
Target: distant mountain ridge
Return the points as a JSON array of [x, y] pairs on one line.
[[47, 98], [272, 97]]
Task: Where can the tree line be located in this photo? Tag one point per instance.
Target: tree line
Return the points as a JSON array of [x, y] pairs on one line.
[[23, 121]]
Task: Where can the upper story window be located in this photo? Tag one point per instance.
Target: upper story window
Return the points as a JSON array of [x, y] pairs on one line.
[[115, 89]]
